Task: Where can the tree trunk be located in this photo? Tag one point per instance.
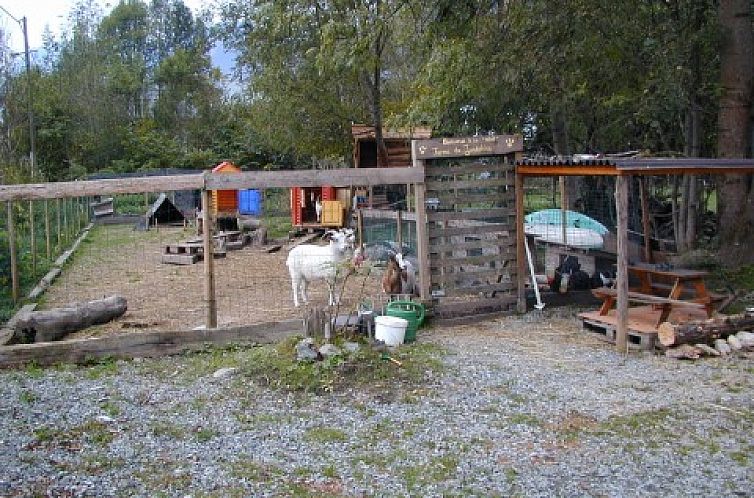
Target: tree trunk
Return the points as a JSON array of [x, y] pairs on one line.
[[671, 334], [735, 209], [51, 325]]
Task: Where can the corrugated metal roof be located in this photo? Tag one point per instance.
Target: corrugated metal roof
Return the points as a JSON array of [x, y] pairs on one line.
[[643, 165]]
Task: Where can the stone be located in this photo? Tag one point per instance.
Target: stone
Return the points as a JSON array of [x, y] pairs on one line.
[[329, 350], [351, 347], [104, 419], [224, 373], [707, 350], [306, 350], [734, 343], [722, 346], [746, 338]]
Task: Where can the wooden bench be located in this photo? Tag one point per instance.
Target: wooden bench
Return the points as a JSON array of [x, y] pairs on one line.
[[609, 297]]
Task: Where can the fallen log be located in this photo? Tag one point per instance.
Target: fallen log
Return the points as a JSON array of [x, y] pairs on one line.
[[51, 325], [704, 331]]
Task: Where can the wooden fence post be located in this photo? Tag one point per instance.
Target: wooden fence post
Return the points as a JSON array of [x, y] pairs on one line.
[[13, 256], [646, 225], [66, 228], [48, 245], [209, 272], [520, 241], [57, 223], [32, 239], [621, 203]]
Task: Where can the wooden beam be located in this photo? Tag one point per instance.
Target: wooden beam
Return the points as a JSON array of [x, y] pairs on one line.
[[48, 241], [520, 241], [399, 230], [13, 256], [143, 344], [57, 190], [384, 214], [422, 237], [314, 178], [209, 266], [564, 170], [644, 200], [621, 203]]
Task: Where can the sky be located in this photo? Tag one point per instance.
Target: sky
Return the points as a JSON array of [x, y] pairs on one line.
[[40, 13]]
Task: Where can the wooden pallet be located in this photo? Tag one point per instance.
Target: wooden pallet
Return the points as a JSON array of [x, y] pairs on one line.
[[636, 340]]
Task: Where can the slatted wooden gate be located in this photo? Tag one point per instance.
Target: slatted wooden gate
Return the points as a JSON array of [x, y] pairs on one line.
[[471, 226]]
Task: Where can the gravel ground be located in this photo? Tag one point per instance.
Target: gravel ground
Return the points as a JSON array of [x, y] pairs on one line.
[[528, 406]]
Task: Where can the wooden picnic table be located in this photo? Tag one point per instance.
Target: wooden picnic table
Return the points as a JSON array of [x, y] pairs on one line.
[[664, 288], [672, 283]]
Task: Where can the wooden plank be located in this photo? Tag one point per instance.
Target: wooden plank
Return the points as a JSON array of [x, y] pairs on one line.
[[451, 198], [386, 214], [422, 250], [451, 262], [180, 259], [501, 243], [438, 186], [143, 344], [621, 204], [468, 146], [57, 190], [500, 228], [520, 248], [209, 264], [485, 305], [13, 255], [432, 170], [467, 276], [450, 290], [476, 214], [314, 178]]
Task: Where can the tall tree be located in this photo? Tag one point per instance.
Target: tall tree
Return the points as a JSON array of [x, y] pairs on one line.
[[735, 199]]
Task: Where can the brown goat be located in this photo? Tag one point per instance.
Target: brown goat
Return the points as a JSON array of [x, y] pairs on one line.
[[391, 279]]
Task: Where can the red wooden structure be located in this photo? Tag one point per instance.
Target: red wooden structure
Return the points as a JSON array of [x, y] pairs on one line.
[[303, 200]]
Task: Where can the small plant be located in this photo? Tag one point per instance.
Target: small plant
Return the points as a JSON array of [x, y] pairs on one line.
[[27, 397], [326, 435]]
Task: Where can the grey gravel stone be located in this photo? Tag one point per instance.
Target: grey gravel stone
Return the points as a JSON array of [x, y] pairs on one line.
[[224, 373], [524, 407], [328, 350]]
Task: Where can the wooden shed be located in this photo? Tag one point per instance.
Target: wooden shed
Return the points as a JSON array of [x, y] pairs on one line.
[[225, 202], [303, 207], [398, 147]]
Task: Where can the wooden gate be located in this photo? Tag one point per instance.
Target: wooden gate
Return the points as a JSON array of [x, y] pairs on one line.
[[470, 236]]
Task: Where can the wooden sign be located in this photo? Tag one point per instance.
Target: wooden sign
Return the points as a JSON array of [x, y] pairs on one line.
[[486, 145]]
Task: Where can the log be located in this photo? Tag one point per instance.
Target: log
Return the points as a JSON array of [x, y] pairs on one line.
[[705, 331], [52, 325]]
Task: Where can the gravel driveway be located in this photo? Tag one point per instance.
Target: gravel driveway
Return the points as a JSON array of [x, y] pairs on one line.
[[527, 406]]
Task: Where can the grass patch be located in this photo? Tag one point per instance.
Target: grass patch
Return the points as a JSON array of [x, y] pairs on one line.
[[439, 469], [323, 434], [168, 431], [276, 366], [27, 397], [91, 431], [254, 471]]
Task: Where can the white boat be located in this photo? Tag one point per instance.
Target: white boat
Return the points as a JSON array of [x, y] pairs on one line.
[[583, 238]]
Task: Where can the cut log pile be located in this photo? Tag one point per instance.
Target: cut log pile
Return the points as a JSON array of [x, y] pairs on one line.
[[696, 339]]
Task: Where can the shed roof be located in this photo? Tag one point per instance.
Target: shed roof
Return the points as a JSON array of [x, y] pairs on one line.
[[607, 166], [226, 166]]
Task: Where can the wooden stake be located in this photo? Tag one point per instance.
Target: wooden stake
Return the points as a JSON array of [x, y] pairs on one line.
[[644, 199], [520, 240], [32, 240], [621, 203], [57, 225], [65, 220], [422, 239], [13, 256], [209, 271], [360, 226], [48, 243]]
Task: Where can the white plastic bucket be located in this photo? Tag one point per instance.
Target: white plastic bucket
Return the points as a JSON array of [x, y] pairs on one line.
[[390, 329]]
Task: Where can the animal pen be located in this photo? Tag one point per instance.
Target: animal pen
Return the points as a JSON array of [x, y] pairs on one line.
[[662, 292], [467, 216]]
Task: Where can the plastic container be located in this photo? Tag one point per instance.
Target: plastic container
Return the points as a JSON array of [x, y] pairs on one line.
[[390, 330], [250, 202], [410, 311]]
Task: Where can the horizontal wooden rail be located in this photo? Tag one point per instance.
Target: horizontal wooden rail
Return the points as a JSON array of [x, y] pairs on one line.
[[213, 181], [315, 178]]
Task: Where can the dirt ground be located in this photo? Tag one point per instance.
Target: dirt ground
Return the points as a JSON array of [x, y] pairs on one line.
[[252, 286]]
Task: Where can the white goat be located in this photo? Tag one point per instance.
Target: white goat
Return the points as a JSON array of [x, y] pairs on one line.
[[309, 262]]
